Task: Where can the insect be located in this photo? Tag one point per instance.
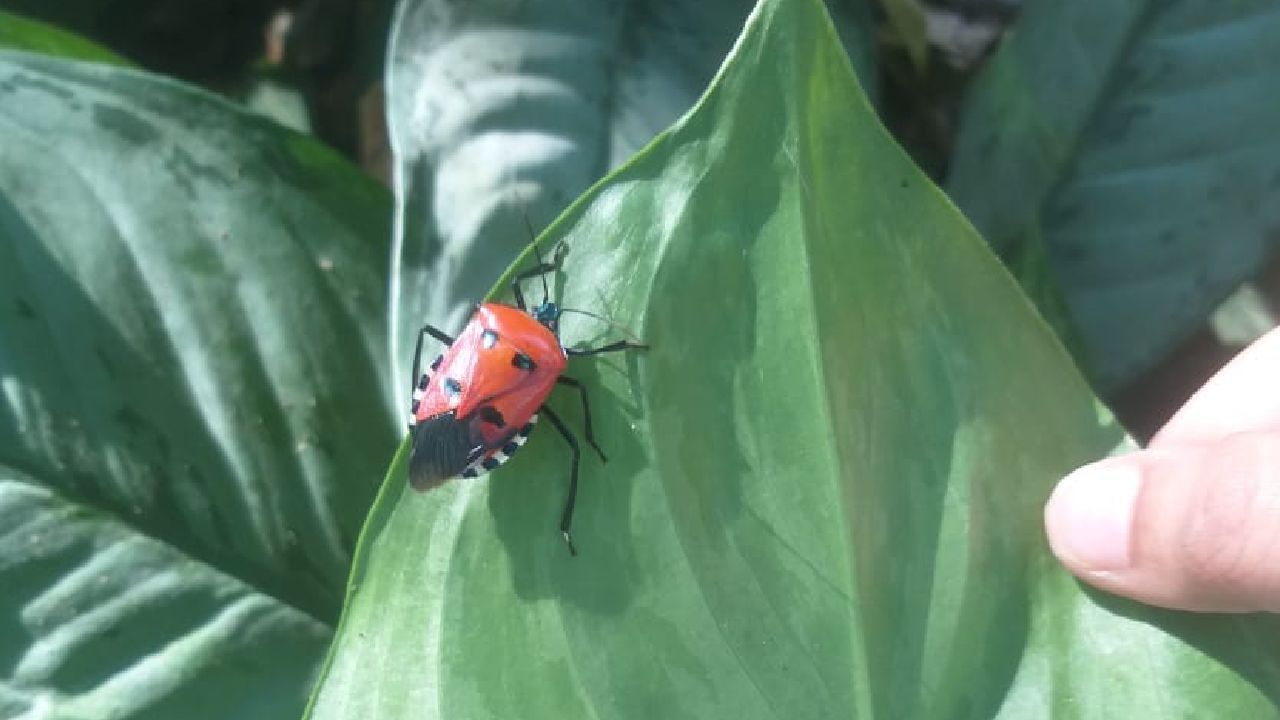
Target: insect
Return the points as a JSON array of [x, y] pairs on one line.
[[479, 400]]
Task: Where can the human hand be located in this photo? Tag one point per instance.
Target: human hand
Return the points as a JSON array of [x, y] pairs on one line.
[[1193, 521]]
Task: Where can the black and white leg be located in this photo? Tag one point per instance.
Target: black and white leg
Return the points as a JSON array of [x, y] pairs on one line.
[[417, 349], [418, 381], [566, 519]]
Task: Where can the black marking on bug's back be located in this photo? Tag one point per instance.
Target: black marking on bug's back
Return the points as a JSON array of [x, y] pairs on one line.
[[504, 453], [435, 364], [522, 361], [452, 388], [488, 339], [492, 415], [442, 448], [416, 401]]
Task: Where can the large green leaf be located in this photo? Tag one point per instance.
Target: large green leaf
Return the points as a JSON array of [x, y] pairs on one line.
[[210, 40], [191, 415], [825, 481], [1137, 140], [19, 33], [501, 113]]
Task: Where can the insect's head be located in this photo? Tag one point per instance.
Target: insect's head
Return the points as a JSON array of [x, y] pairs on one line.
[[548, 314]]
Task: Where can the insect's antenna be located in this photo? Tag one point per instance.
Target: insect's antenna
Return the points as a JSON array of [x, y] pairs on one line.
[[606, 321], [533, 240]]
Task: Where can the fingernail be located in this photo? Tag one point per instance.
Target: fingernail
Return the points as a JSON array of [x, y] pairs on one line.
[[1089, 516]]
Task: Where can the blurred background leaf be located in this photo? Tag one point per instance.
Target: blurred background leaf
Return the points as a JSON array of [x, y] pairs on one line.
[[19, 33], [209, 42], [1137, 139], [825, 482], [313, 65], [908, 26], [501, 113], [191, 320]]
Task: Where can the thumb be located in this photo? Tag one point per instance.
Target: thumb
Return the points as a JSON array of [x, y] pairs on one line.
[[1191, 526]]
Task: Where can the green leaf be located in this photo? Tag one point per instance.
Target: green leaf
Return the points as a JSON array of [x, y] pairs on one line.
[[19, 33], [1138, 140], [191, 413], [102, 620], [501, 114], [212, 41], [825, 479]]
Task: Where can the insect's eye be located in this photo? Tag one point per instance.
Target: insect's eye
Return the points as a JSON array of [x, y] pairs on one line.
[[522, 361], [488, 339]]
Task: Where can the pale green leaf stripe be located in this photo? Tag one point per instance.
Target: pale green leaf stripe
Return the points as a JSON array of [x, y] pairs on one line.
[[98, 621]]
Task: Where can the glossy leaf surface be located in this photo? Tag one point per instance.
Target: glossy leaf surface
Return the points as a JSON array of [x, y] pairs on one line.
[[1137, 140], [824, 488], [190, 410]]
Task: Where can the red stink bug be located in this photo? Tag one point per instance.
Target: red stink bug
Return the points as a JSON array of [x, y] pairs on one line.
[[478, 402]]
